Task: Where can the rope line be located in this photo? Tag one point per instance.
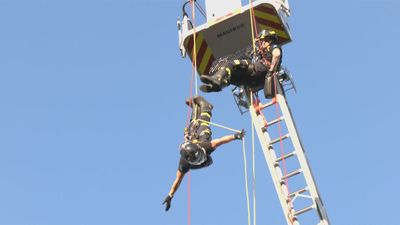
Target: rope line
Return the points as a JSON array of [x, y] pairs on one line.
[[194, 80], [201, 10], [254, 164], [252, 26], [246, 183], [188, 177], [219, 125], [282, 150], [192, 2], [254, 29], [253, 34], [191, 91]]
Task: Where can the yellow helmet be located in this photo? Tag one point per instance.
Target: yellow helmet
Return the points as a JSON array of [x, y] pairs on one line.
[[268, 35]]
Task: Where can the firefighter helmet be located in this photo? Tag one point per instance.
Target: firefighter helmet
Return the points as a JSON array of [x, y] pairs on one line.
[[192, 153], [268, 35]]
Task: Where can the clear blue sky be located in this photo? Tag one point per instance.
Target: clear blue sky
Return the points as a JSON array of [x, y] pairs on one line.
[[92, 113]]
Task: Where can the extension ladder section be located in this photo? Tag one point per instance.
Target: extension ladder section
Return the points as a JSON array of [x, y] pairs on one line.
[[305, 199]]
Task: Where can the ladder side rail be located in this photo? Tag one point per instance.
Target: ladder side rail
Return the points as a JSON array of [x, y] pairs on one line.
[[275, 171], [291, 126]]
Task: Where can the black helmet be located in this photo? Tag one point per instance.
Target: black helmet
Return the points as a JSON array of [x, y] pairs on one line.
[[268, 35], [192, 153]]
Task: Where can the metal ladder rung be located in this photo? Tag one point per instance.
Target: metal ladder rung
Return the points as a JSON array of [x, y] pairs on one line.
[[272, 122], [291, 195], [266, 105], [301, 211], [289, 175], [286, 156], [279, 139]]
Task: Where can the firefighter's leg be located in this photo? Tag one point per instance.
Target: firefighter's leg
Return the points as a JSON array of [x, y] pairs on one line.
[[201, 115], [261, 73], [191, 129], [205, 106], [259, 69], [204, 131], [243, 65], [217, 81], [236, 69]]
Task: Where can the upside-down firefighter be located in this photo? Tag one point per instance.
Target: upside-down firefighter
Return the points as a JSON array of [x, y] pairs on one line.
[[259, 74], [195, 151]]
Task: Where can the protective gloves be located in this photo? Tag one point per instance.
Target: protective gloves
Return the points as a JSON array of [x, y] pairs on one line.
[[239, 135], [167, 201]]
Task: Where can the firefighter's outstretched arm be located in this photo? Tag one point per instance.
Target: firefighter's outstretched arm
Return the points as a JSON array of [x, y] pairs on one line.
[[174, 188], [226, 139]]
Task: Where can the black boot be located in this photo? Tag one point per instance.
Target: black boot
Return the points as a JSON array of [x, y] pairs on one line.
[[206, 79], [209, 88], [220, 79], [204, 105]]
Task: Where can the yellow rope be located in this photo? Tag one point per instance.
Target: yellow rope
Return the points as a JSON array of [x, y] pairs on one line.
[[246, 183], [218, 125], [252, 26], [194, 48]]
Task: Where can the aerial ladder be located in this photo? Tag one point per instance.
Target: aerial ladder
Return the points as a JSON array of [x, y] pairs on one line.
[[306, 197], [226, 32]]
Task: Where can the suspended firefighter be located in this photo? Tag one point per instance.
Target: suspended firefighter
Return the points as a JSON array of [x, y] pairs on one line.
[[195, 151], [257, 75]]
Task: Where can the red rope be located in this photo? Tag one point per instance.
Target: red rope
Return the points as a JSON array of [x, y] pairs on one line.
[[277, 111], [191, 94], [254, 18], [188, 177], [190, 109], [256, 105], [281, 147], [190, 97]]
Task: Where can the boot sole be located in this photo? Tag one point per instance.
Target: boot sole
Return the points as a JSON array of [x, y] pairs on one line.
[[207, 88], [207, 80]]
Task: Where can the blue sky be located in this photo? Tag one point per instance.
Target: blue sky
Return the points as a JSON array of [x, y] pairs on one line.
[[92, 114]]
